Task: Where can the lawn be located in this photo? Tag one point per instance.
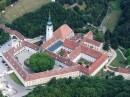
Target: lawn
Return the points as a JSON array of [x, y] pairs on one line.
[[123, 50], [61, 52], [83, 61], [16, 79], [102, 74], [39, 43], [118, 61], [22, 7], [113, 15]]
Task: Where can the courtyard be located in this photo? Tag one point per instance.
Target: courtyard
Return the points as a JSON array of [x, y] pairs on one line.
[[21, 57], [83, 61], [63, 52]]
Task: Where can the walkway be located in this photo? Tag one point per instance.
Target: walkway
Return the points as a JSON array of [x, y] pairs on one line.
[[73, 5], [114, 54], [34, 40], [122, 54]]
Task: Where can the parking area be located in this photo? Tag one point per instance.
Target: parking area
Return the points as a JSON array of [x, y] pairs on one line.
[[3, 67], [5, 46], [12, 89]]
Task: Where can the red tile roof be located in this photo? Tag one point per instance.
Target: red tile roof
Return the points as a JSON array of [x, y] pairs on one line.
[[49, 42], [85, 50], [76, 37], [65, 53], [123, 70], [90, 41], [63, 31], [16, 65], [89, 35], [70, 44], [60, 59], [13, 32], [9, 55], [97, 63], [53, 72]]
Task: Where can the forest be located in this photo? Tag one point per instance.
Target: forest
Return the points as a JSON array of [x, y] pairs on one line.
[[83, 87], [34, 23], [122, 31]]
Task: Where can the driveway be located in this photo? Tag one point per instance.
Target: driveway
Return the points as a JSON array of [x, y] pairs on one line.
[[20, 90]]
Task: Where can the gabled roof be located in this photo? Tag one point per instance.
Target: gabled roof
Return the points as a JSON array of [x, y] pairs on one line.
[[85, 50], [88, 35], [123, 70], [63, 31], [49, 42], [90, 41], [52, 73], [13, 32], [70, 44], [76, 37], [9, 55]]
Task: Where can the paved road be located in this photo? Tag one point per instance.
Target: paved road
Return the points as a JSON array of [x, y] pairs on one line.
[[114, 54], [21, 90]]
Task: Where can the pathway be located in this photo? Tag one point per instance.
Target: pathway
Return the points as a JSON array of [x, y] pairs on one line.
[[114, 54], [73, 5], [127, 66], [34, 40], [122, 54]]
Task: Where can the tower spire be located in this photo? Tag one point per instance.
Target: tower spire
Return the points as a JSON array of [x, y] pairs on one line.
[[49, 28], [49, 19], [49, 23]]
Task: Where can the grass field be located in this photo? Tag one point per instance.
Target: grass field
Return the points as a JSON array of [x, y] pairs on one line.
[[113, 15], [20, 8], [118, 61], [102, 74], [123, 50], [16, 79]]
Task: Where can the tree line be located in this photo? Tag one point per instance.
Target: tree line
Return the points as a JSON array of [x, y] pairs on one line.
[[34, 23], [4, 36], [122, 31], [83, 87], [5, 3]]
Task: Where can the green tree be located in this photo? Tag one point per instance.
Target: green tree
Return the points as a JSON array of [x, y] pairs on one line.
[[106, 46], [83, 87], [2, 5], [99, 36], [119, 77], [128, 60], [4, 36], [80, 2], [40, 62], [76, 8], [128, 52], [114, 43], [107, 35], [123, 94]]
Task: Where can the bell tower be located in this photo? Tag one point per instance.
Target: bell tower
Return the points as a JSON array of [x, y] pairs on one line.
[[49, 29]]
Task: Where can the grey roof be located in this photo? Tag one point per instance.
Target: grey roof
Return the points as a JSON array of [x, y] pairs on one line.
[[55, 46]]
